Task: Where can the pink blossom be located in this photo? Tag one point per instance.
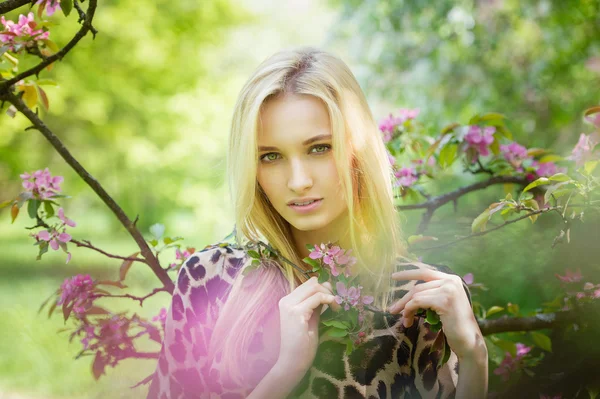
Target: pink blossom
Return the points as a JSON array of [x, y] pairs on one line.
[[22, 33], [77, 290], [181, 255], [64, 219], [89, 335], [510, 364], [584, 149], [350, 296], [334, 257], [545, 168], [407, 113], [480, 139], [51, 6], [406, 176], [42, 184], [513, 151], [570, 277], [53, 237], [388, 124], [468, 278]]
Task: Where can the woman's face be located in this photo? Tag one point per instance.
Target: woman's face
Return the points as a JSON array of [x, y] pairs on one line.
[[295, 161]]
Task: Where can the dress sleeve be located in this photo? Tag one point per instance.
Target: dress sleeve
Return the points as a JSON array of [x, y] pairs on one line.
[[429, 381], [183, 370]]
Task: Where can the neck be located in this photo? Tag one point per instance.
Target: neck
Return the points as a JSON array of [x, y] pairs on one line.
[[336, 232]]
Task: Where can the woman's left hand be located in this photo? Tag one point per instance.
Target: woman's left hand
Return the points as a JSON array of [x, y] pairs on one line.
[[445, 294]]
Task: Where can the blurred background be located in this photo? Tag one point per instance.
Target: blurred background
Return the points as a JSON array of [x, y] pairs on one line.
[[146, 108]]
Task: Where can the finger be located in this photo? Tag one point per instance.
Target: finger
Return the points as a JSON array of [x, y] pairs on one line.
[[306, 289], [399, 305], [314, 301], [418, 274], [431, 299]]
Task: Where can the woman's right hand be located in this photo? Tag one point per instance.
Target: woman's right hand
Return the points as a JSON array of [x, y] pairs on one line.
[[299, 315]]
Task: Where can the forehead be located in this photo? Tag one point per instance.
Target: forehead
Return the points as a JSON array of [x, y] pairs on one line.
[[291, 117]]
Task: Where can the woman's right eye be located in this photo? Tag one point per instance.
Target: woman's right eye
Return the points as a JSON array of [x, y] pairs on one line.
[[265, 157]]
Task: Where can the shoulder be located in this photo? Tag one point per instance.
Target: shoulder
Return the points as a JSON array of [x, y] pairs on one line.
[[213, 267]]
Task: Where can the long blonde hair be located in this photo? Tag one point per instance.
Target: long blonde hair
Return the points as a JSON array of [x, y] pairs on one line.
[[375, 234]]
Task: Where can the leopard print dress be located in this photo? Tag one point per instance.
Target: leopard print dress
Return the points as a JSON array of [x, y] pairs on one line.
[[391, 363]]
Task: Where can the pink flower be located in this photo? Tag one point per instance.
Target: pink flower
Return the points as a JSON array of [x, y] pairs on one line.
[[510, 364], [51, 6], [468, 278], [89, 335], [570, 277], [406, 176], [53, 238], [181, 255], [388, 125], [584, 149], [77, 290], [334, 257], [64, 219], [350, 296], [513, 151], [21, 34], [480, 139], [542, 396], [391, 158], [42, 184], [545, 168]]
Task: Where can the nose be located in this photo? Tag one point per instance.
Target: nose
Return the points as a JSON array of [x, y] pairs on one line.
[[300, 179]]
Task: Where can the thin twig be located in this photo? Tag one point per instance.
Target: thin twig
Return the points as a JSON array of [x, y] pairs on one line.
[[87, 244], [136, 298], [147, 253]]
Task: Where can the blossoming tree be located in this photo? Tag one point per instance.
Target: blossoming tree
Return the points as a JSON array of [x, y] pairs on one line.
[[548, 183]]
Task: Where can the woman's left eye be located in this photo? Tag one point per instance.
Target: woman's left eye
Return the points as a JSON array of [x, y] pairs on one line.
[[326, 146]]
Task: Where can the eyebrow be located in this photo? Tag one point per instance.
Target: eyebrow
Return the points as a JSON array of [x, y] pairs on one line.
[[306, 142]]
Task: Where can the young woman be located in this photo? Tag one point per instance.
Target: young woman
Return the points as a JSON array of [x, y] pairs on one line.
[[307, 165]]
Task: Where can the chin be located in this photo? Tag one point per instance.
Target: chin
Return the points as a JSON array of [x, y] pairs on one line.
[[309, 223]]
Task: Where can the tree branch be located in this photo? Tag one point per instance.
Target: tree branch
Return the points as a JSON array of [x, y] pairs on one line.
[[87, 244], [147, 253], [531, 323], [9, 5], [135, 298], [438, 201], [86, 26]]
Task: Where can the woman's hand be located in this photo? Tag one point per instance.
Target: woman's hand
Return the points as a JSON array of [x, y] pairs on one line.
[[299, 314], [445, 294]]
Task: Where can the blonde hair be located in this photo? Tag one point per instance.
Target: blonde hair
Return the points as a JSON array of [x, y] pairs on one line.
[[366, 178]]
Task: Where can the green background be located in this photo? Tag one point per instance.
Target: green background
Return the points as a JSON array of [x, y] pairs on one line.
[[146, 108]]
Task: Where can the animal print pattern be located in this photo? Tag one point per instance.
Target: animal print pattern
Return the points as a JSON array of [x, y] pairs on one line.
[[391, 363]]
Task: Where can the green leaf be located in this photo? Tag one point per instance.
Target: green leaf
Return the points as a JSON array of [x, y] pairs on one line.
[[495, 353], [323, 276], [552, 190], [480, 221], [337, 332], [490, 116], [432, 317], [49, 209], [153, 242], [542, 340], [254, 254], [474, 119], [513, 308], [32, 207], [66, 6], [539, 182], [312, 262], [448, 155], [447, 352], [336, 323], [559, 177], [420, 238], [589, 167], [349, 347], [551, 158], [494, 310]]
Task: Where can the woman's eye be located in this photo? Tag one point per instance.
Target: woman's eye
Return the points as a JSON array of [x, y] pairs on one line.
[[272, 156]]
